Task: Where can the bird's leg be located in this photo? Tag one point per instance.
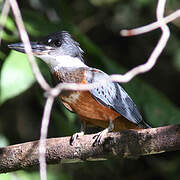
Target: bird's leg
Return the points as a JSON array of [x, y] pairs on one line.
[[75, 136], [98, 138]]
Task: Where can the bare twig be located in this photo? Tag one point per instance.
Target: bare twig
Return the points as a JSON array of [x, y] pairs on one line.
[[150, 27], [124, 144], [41, 81], [44, 130], [27, 46], [4, 14], [156, 52], [76, 87], [161, 22]]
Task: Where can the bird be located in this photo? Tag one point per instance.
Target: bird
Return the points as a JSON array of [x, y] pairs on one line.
[[106, 105]]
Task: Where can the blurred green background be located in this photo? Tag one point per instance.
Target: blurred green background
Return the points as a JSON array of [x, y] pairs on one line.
[[96, 25]]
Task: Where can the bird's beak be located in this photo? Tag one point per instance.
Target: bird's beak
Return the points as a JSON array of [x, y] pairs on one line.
[[37, 48]]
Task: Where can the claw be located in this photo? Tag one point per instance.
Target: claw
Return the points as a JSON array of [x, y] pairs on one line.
[[99, 137], [74, 137]]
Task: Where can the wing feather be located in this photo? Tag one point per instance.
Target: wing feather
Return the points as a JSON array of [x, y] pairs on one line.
[[113, 95]]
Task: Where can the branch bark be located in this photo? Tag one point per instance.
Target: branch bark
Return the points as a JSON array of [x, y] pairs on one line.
[[124, 144]]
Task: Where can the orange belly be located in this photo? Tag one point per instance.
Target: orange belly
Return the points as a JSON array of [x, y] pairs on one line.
[[92, 112]]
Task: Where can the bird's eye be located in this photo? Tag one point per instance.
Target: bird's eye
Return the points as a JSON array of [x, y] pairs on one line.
[[57, 43]]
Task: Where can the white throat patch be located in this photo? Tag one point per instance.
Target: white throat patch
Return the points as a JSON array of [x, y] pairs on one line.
[[62, 61], [68, 61]]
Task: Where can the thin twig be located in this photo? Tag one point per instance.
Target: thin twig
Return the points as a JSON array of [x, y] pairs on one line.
[[4, 14], [141, 68], [44, 130], [156, 52], [76, 87], [25, 39], [150, 27], [42, 82]]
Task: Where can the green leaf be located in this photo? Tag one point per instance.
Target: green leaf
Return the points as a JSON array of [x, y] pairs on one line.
[[51, 174], [10, 26], [3, 141], [7, 176], [16, 76], [5, 36]]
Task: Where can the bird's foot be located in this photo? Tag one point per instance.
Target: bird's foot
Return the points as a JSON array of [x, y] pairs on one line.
[[99, 137], [75, 136]]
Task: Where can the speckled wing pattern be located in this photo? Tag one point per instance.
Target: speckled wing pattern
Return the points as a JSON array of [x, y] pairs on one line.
[[112, 95]]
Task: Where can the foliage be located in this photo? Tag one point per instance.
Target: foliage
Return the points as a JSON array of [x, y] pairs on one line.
[[16, 76]]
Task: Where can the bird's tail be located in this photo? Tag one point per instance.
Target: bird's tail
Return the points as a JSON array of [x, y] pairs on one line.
[[144, 125]]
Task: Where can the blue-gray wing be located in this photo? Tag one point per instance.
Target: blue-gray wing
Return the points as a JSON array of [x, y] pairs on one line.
[[112, 95]]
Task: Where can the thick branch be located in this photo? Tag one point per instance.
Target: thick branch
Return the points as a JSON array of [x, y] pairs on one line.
[[130, 143]]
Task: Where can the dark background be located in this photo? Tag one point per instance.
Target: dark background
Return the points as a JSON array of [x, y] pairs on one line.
[[96, 24]]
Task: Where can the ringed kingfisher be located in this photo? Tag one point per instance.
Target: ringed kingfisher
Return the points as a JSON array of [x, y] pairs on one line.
[[107, 106]]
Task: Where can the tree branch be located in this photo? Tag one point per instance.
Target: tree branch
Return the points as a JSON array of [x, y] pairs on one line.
[[124, 144]]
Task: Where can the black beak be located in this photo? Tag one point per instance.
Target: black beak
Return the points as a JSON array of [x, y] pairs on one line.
[[37, 48]]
